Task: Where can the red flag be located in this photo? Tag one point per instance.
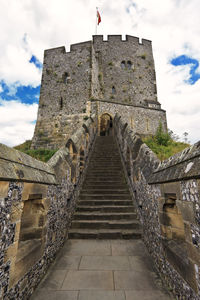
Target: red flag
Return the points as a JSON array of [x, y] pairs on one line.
[[98, 17]]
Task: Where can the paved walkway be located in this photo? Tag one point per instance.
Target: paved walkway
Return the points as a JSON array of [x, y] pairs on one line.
[[101, 270]]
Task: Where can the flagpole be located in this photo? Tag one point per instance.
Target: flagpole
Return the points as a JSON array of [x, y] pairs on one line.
[[96, 21]]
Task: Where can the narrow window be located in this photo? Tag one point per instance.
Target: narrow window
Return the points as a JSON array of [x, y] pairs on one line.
[[129, 64], [123, 64], [113, 90], [147, 123], [65, 77], [82, 154], [61, 103]]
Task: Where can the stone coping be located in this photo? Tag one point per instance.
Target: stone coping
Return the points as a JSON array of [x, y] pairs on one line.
[[16, 165]]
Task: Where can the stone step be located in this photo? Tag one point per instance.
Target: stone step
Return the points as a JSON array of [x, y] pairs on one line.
[[97, 224], [105, 197], [104, 191], [103, 183], [104, 216], [105, 186], [100, 174], [101, 169], [104, 234], [116, 178], [105, 176], [107, 172], [109, 161], [104, 157], [105, 207], [105, 202], [101, 208]]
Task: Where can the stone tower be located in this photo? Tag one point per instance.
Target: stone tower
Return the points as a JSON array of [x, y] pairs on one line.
[[101, 77]]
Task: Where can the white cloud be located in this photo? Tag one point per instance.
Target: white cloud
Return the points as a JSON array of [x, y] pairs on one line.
[[172, 25], [16, 122]]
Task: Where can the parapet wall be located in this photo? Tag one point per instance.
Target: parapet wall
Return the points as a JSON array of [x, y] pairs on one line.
[[37, 202], [167, 200]]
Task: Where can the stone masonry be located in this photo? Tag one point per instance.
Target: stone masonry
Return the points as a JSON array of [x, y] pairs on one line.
[[98, 76]]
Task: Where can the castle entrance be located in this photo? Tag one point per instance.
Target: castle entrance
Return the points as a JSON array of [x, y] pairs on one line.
[[106, 125]]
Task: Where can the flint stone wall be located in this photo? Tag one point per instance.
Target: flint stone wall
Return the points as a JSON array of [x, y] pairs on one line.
[[150, 181], [55, 187]]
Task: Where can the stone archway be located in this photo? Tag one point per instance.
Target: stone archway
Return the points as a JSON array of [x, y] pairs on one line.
[[106, 125]]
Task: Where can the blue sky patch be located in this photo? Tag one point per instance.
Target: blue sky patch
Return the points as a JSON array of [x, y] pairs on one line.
[[36, 62], [185, 60], [24, 94]]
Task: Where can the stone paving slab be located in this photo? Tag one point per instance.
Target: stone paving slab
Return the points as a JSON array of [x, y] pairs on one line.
[[87, 247], [88, 280], [67, 262], [134, 280], [101, 270], [137, 248], [102, 295], [55, 295], [105, 263], [53, 280], [141, 263], [146, 295]]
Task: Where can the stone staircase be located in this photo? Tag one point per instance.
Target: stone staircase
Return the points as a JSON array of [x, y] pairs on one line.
[[105, 207]]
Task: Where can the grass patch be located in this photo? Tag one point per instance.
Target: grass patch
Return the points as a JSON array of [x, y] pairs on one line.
[[164, 152], [163, 145], [40, 154]]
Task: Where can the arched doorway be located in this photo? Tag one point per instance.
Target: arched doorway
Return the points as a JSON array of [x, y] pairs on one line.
[[106, 125]]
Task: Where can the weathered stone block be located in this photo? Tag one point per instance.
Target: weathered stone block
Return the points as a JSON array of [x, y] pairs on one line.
[[4, 189], [31, 189], [187, 210], [171, 187]]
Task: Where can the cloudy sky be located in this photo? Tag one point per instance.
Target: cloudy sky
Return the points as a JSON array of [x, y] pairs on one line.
[[27, 27]]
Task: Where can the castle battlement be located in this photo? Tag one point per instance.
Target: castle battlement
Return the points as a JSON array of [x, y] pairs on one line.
[[99, 39], [118, 38]]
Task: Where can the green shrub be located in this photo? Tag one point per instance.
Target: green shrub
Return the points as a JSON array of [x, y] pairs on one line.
[[40, 154], [25, 146], [162, 137], [163, 145]]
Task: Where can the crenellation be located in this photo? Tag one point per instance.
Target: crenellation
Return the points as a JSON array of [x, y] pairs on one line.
[[57, 50], [134, 39], [146, 42], [80, 46], [114, 38]]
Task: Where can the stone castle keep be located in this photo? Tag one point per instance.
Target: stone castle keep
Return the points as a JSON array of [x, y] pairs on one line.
[[110, 218], [97, 77]]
